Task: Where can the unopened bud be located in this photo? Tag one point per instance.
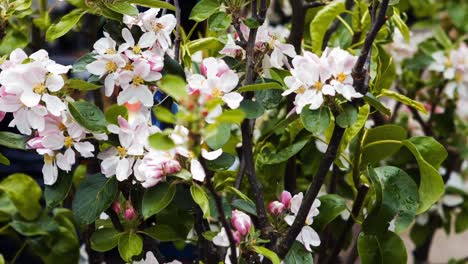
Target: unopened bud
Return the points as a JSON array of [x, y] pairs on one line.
[[276, 208], [285, 198], [241, 221], [130, 213], [116, 207]]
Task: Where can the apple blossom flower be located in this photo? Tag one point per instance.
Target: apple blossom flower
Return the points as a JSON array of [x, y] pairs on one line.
[[231, 49], [276, 208], [107, 65], [134, 51], [116, 207], [241, 221], [308, 237], [49, 170], [162, 26], [105, 45], [130, 213], [155, 166], [275, 38]]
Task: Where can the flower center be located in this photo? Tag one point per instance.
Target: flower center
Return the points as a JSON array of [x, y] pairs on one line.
[[217, 93], [111, 66], [128, 67], [158, 26], [137, 80], [39, 88], [448, 63], [110, 51], [122, 152], [136, 49], [48, 159], [68, 142], [341, 77], [62, 127], [300, 90], [318, 85]]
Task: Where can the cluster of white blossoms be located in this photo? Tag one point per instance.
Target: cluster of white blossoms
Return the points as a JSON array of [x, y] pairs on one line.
[[134, 65], [454, 68], [312, 78]]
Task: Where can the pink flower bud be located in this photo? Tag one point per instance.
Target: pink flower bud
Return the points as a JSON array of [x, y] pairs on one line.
[[203, 69], [237, 237], [276, 208], [241, 221], [285, 198], [130, 213], [116, 207], [171, 166], [2, 115], [35, 143]]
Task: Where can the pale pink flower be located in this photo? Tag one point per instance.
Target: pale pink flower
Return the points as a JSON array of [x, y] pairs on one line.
[[241, 221]]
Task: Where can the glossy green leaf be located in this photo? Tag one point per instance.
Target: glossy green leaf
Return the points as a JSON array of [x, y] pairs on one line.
[[315, 121], [114, 111], [94, 195], [219, 136], [55, 194], [222, 163], [374, 102], [154, 4], [404, 100], [245, 206], [164, 115], [268, 254], [206, 44], [298, 255], [4, 160], [331, 206], [396, 195], [219, 21], [204, 9], [348, 117], [12, 140], [321, 23], [161, 141], [260, 87], [25, 194], [123, 8], [353, 130], [80, 64], [130, 245], [81, 85], [200, 197], [285, 154], [174, 86], [157, 198], [12, 40], [105, 239], [88, 115], [400, 24], [387, 248], [441, 36], [42, 226], [461, 222], [252, 109], [431, 184], [65, 24], [163, 233], [234, 116], [382, 142]]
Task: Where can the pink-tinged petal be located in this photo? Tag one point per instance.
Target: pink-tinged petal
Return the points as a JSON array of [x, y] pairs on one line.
[[221, 239], [109, 166], [2, 116], [241, 221], [35, 119], [85, 149], [211, 155], [104, 44], [40, 55], [18, 55], [288, 49], [141, 68], [198, 173], [233, 99], [296, 202], [97, 67], [276, 208], [228, 81], [153, 76], [276, 58], [123, 123], [122, 169], [54, 141], [50, 173], [66, 160], [109, 84], [147, 40], [21, 122], [123, 47], [29, 98], [56, 68], [127, 36], [54, 83], [285, 198], [54, 104], [126, 96], [144, 95]]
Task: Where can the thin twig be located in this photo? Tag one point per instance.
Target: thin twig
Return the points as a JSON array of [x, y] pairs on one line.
[[114, 219], [177, 37]]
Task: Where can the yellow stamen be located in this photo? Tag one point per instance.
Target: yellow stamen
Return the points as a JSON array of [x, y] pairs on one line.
[[48, 159], [128, 67], [136, 49], [341, 77], [111, 66], [137, 80], [122, 152], [318, 85], [62, 127], [448, 63], [39, 88], [110, 51], [300, 90], [68, 142], [158, 26], [217, 93]]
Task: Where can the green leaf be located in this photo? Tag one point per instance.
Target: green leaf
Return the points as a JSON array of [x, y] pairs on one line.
[[400, 24], [219, 21], [42, 226], [171, 66], [114, 111], [94, 195], [4, 160], [385, 71], [204, 9], [252, 109], [80, 64], [219, 136], [268, 254], [55, 194], [285, 154], [200, 197], [431, 150], [240, 194], [461, 223], [381, 142], [222, 163], [25, 194], [315, 121], [260, 87], [353, 130], [374, 102], [396, 195], [251, 22], [105, 239], [209, 43], [88, 115], [234, 116], [161, 141], [12, 40], [81, 85], [164, 115], [130, 245], [65, 24], [12, 140], [183, 174], [174, 86], [154, 4], [404, 100], [245, 206], [157, 198], [298, 255], [331, 206], [322, 21], [431, 184], [442, 38], [163, 233], [123, 8], [348, 117], [387, 248]]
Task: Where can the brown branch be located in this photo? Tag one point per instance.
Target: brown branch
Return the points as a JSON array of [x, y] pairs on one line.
[[207, 250], [114, 219], [177, 37]]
